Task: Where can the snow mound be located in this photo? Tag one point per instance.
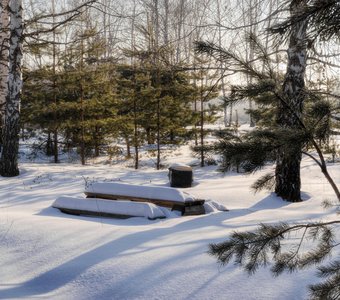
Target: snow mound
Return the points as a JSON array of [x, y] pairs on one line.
[[113, 207], [180, 166], [213, 206], [140, 191]]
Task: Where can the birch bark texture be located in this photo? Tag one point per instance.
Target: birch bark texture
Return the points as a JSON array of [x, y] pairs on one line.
[[4, 40], [11, 126], [287, 173]]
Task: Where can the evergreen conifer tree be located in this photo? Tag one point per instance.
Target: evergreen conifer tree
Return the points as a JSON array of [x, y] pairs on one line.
[[266, 244], [85, 114], [156, 99], [271, 94]]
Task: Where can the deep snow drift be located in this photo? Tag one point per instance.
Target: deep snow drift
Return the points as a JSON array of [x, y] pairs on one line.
[[46, 254]]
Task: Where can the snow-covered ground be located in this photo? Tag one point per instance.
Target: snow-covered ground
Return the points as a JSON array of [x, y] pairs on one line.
[[45, 254]]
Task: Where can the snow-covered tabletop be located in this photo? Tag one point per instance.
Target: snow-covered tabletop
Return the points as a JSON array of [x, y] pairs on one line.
[[139, 191]]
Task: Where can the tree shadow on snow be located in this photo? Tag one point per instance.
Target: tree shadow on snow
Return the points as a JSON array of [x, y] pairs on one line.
[[69, 271]]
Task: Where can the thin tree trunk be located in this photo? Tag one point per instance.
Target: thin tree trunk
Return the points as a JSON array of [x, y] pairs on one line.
[[195, 104], [225, 105], [135, 113], [82, 117], [202, 123], [11, 128], [55, 118], [135, 141], [249, 17], [104, 11], [179, 30], [128, 146], [157, 79], [287, 173], [225, 115], [49, 145], [158, 165], [230, 114], [96, 141], [166, 22]]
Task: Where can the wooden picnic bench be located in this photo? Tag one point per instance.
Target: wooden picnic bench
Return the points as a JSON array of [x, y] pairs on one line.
[[162, 196]]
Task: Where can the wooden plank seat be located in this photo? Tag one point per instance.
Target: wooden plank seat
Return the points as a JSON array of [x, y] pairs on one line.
[[171, 198], [106, 208], [81, 212]]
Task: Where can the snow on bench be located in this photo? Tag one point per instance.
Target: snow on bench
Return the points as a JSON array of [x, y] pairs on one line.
[[162, 196], [139, 191], [107, 208]]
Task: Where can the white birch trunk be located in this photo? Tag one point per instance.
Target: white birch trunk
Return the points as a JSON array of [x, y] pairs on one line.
[[179, 30], [223, 88], [288, 159], [55, 126], [11, 128], [4, 40]]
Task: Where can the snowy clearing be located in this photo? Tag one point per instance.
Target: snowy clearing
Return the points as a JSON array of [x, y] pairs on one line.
[[46, 254]]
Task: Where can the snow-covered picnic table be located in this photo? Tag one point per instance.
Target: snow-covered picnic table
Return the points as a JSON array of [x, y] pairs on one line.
[[121, 200], [172, 198]]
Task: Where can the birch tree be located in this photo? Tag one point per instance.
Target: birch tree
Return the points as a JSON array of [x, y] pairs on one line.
[[11, 126], [4, 19], [287, 173], [16, 36]]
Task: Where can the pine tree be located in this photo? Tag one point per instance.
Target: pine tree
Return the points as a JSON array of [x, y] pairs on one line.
[[269, 90], [85, 114], [206, 89], [36, 104], [88, 96], [134, 105], [155, 99], [266, 244]]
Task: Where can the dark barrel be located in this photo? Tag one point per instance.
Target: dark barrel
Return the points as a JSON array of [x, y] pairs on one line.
[[180, 176]]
